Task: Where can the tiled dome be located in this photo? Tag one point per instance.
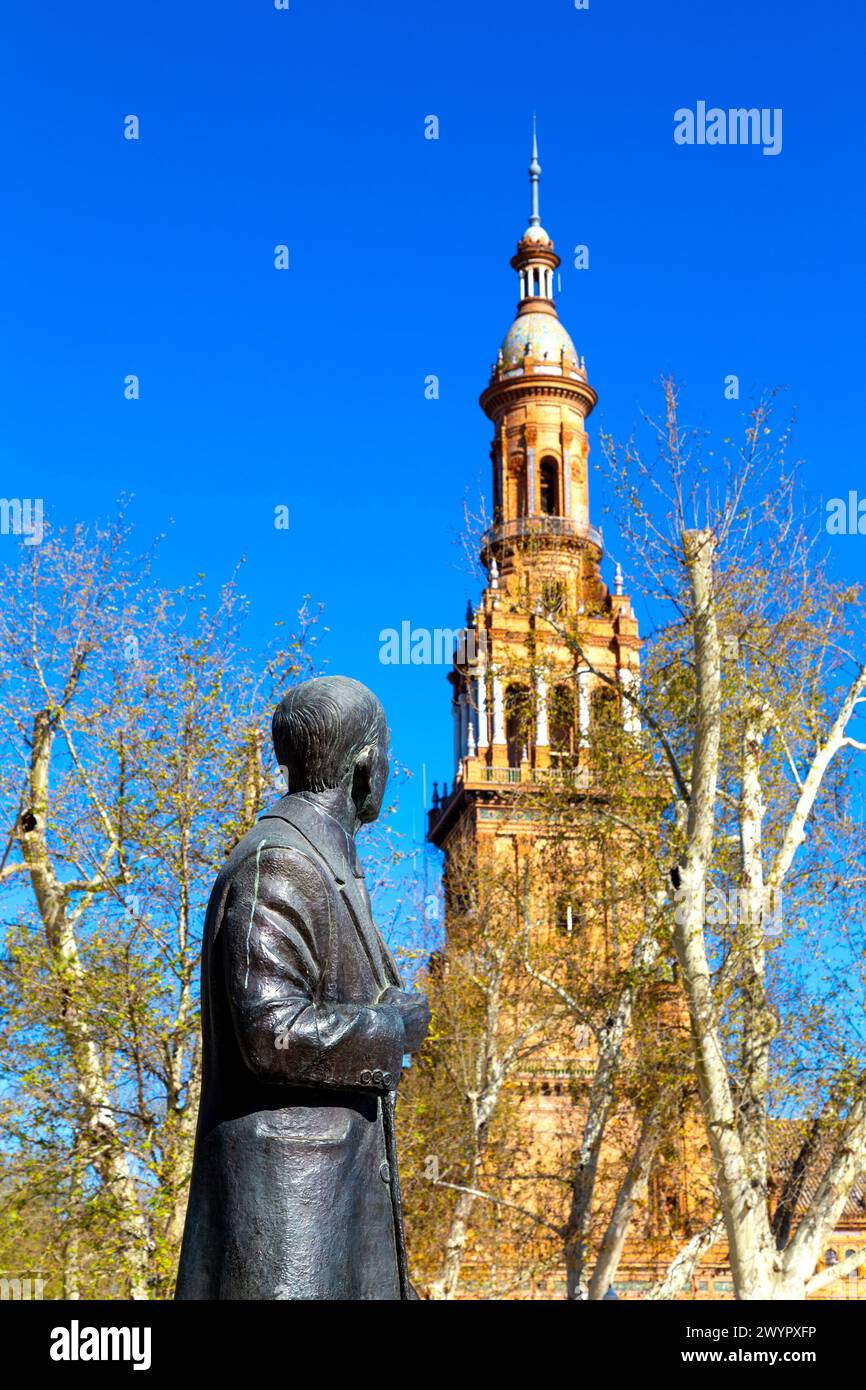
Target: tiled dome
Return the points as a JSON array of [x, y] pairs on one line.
[[537, 234], [543, 334]]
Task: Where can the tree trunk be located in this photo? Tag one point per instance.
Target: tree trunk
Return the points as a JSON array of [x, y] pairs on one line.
[[631, 1189], [101, 1133]]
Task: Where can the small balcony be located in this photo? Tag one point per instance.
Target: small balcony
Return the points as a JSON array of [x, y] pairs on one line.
[[528, 528], [474, 775]]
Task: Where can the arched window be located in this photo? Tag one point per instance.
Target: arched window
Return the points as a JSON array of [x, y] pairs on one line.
[[518, 709], [549, 491], [605, 722], [521, 495], [561, 721]]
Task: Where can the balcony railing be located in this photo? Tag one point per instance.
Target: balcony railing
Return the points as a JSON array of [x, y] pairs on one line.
[[539, 526], [471, 771], [577, 776]]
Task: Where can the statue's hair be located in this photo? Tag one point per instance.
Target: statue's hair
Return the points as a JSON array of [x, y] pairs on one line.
[[321, 726]]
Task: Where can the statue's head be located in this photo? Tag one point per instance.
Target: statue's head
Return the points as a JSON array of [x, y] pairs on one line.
[[331, 733]]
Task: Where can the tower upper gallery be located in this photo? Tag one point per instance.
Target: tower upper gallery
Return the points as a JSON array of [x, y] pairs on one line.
[[524, 698], [538, 399]]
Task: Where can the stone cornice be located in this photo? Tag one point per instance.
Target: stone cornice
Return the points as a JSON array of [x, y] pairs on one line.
[[505, 392]]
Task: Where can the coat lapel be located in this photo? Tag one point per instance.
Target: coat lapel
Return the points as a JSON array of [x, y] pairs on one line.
[[336, 849]]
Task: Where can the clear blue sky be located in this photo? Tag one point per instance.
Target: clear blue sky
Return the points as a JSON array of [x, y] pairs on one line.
[[306, 387]]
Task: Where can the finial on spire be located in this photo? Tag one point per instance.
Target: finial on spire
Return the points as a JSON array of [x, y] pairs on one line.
[[617, 579], [534, 172]]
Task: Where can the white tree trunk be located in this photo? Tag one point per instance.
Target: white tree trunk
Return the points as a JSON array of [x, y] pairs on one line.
[[100, 1137]]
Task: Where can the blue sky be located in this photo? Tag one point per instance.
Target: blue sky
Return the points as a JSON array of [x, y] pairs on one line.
[[306, 387]]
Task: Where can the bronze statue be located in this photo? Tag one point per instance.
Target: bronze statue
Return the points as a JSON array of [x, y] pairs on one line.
[[305, 1022]]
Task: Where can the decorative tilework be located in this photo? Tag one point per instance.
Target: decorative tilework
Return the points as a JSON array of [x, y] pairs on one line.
[[543, 333]]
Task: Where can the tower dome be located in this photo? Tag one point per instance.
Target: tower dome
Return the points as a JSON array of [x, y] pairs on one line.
[[536, 338], [538, 236], [540, 335]]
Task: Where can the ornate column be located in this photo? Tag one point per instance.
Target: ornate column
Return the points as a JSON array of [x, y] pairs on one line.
[[566, 480], [503, 466], [498, 711], [464, 724], [542, 737], [481, 705], [630, 681], [583, 704]]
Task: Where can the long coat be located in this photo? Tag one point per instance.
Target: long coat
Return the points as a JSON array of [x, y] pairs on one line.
[[294, 1190]]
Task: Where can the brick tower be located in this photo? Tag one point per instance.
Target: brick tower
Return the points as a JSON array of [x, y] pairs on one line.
[[527, 708], [529, 713], [522, 709]]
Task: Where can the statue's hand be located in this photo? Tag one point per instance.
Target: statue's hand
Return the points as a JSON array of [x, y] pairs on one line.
[[414, 1012]]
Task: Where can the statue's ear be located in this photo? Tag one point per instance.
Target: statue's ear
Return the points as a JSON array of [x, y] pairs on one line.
[[362, 778]]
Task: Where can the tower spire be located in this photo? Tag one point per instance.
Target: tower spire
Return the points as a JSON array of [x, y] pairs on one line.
[[534, 175], [536, 260]]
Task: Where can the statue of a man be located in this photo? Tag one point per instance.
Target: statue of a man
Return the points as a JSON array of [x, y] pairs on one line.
[[305, 1023]]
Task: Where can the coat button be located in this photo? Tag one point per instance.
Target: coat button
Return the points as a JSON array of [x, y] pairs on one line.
[[385, 1171], [366, 1078], [377, 1077], [386, 1078]]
